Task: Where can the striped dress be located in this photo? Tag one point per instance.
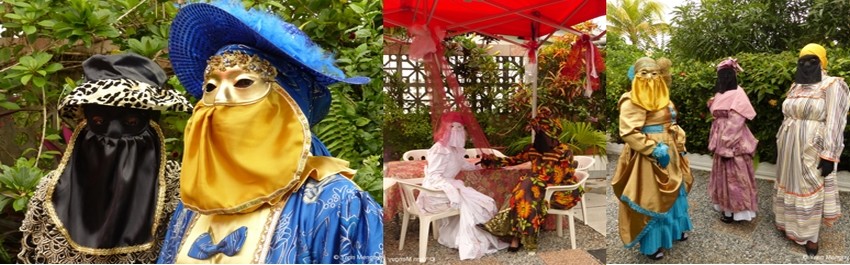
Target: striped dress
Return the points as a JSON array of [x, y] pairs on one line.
[[813, 128]]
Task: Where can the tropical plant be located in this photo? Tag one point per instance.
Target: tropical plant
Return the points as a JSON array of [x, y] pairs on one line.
[[477, 71], [43, 44], [620, 57], [714, 29], [637, 20], [17, 183], [352, 129], [370, 178], [827, 23], [581, 137], [560, 92]]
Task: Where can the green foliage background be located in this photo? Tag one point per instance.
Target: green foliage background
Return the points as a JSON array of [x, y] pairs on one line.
[[45, 42], [505, 125], [716, 28], [768, 74]]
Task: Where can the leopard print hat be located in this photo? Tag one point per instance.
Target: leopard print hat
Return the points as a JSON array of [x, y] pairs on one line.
[[122, 80]]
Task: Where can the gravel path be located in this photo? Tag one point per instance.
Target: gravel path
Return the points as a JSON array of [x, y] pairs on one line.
[[713, 241]]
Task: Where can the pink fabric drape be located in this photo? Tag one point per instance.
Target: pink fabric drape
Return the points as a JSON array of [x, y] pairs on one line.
[[427, 46], [736, 100]]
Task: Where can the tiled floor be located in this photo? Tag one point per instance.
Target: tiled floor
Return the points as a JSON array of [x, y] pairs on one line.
[[596, 203], [552, 249]]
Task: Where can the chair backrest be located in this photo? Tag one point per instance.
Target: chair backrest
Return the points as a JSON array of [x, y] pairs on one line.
[[474, 153], [417, 154], [409, 194], [582, 175], [584, 162]]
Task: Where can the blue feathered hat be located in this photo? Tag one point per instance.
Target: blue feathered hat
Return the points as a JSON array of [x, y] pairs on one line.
[[201, 30]]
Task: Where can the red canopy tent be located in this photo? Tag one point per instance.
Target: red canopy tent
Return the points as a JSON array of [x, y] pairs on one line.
[[493, 17], [432, 20]]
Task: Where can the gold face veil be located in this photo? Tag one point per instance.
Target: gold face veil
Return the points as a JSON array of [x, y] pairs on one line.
[[240, 131], [650, 85]]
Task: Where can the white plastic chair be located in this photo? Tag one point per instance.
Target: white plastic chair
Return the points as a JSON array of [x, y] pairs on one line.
[[417, 154], [426, 219], [584, 162], [473, 152], [566, 213]]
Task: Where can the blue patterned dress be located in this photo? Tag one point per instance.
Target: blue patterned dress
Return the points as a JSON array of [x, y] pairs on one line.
[[328, 221]]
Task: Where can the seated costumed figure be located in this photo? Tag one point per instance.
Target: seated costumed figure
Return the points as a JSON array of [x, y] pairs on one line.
[[445, 161], [551, 164]]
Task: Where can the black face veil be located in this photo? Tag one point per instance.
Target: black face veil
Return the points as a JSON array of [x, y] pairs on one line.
[[727, 79], [109, 189], [808, 70]]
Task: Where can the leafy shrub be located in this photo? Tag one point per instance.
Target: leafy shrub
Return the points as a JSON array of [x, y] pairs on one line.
[[581, 137], [17, 185], [370, 178], [44, 43], [766, 79]]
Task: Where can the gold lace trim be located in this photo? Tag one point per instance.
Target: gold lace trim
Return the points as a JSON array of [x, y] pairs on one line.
[[48, 200], [239, 59]]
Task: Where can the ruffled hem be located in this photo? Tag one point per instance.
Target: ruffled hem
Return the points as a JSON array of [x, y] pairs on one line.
[[664, 228]]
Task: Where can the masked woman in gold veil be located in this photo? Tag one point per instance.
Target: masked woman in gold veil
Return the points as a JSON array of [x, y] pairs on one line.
[[652, 178]]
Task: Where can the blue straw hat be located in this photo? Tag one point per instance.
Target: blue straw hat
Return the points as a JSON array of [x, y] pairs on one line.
[[201, 30]]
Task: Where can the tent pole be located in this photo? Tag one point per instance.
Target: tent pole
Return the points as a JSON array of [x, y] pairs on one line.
[[533, 53]]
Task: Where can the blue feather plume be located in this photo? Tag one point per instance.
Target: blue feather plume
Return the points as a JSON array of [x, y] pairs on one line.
[[284, 35]]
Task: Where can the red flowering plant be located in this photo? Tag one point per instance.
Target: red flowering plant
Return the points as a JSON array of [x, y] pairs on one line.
[[562, 75]]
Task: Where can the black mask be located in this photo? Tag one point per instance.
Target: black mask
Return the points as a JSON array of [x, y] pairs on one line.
[[808, 70], [108, 192], [543, 143], [117, 122], [726, 80]]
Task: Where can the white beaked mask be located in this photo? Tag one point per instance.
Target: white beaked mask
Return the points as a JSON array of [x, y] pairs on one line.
[[457, 135]]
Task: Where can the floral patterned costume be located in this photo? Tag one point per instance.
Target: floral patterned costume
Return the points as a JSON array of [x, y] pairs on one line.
[[527, 208]]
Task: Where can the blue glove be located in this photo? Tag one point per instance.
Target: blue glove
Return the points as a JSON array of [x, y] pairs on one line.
[[660, 154]]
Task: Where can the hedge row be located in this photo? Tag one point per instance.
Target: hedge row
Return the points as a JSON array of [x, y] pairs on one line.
[[766, 79]]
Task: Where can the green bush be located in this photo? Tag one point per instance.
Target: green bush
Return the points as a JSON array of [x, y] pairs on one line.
[[581, 137], [45, 43], [17, 185], [766, 79], [505, 124], [370, 177]]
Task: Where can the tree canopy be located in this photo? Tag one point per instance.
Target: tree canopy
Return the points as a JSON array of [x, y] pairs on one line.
[[718, 28], [638, 20]]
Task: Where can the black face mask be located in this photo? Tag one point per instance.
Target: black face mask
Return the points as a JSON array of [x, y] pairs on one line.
[[115, 122], [726, 80], [808, 70], [543, 143], [107, 194]]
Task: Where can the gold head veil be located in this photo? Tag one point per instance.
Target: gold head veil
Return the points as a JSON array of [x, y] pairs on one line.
[[650, 86]]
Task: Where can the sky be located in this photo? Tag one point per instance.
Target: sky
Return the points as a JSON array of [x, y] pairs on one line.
[[667, 12], [668, 8]]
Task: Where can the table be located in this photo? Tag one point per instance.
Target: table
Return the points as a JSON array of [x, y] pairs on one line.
[[495, 183]]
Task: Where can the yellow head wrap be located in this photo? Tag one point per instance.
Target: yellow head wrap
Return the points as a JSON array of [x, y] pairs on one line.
[[817, 50], [649, 88]]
